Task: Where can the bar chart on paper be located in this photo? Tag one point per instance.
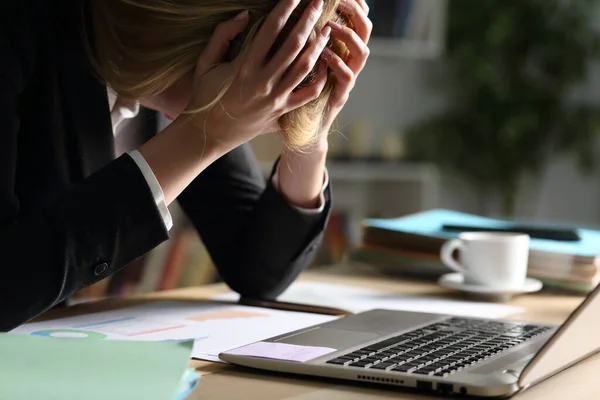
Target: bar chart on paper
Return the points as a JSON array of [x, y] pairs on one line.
[[213, 327]]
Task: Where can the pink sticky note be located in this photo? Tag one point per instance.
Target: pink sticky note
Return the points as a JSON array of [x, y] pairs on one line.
[[281, 351]]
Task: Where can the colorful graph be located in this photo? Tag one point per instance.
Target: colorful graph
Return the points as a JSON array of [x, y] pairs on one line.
[[225, 314], [107, 322], [148, 332], [213, 328], [70, 333]]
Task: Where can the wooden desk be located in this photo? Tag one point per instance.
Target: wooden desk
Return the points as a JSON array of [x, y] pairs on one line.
[[222, 381]]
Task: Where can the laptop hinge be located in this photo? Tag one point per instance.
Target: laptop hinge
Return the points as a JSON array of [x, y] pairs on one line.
[[576, 339]]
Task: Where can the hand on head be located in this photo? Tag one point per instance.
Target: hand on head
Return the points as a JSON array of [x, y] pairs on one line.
[[177, 56], [288, 65], [356, 40], [257, 93], [263, 91]]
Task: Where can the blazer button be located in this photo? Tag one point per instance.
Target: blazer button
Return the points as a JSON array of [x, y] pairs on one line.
[[101, 269]]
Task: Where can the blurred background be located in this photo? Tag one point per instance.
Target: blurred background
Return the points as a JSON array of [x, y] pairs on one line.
[[488, 107]]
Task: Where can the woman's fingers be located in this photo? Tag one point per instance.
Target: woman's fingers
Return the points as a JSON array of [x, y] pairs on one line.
[[363, 4], [296, 41], [309, 93], [305, 63], [268, 33], [345, 77], [358, 17], [219, 42], [359, 51]]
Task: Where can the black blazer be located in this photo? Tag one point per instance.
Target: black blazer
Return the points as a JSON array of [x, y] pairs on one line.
[[71, 214]]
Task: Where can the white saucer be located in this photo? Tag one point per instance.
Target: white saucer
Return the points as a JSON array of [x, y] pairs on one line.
[[455, 281]]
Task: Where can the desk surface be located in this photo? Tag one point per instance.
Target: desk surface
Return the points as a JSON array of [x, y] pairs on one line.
[[222, 381]]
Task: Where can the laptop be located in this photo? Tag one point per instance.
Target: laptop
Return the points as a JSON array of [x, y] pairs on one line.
[[436, 353]]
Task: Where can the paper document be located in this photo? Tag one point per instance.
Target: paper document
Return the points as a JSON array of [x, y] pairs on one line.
[[214, 327], [357, 300], [38, 367]]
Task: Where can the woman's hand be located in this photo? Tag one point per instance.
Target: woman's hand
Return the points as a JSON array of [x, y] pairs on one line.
[[259, 92], [347, 71], [301, 174]]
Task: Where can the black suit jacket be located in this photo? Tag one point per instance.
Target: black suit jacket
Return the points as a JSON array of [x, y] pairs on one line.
[[71, 214]]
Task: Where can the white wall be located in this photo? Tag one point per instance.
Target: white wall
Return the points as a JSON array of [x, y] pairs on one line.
[[394, 93]]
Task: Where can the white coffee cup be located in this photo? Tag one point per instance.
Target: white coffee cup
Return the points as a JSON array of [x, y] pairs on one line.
[[493, 259]]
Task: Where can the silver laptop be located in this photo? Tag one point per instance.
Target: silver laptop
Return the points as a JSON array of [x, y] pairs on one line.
[[440, 353]]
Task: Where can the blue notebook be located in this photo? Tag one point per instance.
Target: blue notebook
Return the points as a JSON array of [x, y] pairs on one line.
[[430, 224]]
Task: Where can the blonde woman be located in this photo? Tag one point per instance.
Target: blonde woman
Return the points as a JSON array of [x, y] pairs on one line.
[[74, 208]]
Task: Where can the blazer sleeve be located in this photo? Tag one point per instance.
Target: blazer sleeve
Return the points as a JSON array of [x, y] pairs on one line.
[[72, 240], [259, 243]]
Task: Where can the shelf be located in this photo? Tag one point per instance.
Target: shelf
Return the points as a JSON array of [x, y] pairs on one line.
[[411, 49], [364, 171], [417, 32], [359, 171]]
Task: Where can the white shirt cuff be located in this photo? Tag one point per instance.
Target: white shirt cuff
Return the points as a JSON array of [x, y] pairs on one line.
[[157, 192], [307, 211]]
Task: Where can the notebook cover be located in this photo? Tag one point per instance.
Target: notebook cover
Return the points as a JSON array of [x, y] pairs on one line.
[[417, 228]]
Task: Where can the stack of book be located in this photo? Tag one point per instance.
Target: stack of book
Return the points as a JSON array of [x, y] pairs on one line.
[[411, 246]]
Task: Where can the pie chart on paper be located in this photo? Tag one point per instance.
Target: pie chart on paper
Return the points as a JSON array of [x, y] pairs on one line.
[[69, 333]]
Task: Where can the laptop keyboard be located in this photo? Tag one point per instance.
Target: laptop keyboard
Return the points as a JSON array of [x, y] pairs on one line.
[[442, 348]]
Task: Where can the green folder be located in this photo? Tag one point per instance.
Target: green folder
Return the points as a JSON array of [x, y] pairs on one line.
[[34, 367]]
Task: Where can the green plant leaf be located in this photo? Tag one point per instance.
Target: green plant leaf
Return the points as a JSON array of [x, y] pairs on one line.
[[512, 64]]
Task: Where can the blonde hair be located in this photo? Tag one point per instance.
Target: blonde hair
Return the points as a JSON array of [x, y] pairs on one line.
[[142, 47]]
